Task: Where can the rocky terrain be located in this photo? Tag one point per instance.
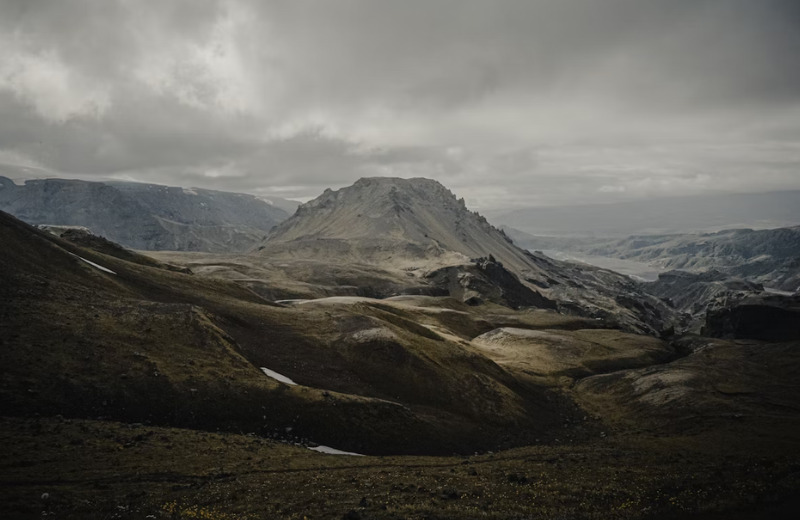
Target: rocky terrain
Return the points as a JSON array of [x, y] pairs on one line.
[[698, 272], [421, 231], [145, 216], [770, 256], [436, 371], [769, 317]]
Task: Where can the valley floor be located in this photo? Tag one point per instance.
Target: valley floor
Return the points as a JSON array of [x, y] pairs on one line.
[[85, 469]]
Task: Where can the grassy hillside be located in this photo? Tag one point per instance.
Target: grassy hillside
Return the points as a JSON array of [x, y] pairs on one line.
[[131, 390]]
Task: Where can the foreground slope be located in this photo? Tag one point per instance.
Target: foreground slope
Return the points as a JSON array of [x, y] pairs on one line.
[[127, 387], [86, 334]]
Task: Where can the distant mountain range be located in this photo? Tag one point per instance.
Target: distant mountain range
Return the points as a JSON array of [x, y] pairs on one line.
[[147, 216], [689, 214], [769, 256]]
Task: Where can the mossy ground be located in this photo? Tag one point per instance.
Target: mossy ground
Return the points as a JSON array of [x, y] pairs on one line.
[[100, 469], [158, 350]]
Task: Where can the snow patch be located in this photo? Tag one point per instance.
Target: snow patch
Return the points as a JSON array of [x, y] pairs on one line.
[[278, 377], [189, 191], [104, 269], [770, 290], [333, 451], [346, 300]]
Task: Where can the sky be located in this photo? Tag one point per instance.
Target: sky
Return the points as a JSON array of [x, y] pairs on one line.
[[508, 103]]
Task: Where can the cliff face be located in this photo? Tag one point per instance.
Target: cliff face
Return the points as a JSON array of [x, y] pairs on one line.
[[768, 317]]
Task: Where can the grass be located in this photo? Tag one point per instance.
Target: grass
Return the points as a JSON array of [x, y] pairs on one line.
[[102, 469], [138, 394]]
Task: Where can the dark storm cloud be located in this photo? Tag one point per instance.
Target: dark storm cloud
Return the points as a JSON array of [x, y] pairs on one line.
[[507, 102]]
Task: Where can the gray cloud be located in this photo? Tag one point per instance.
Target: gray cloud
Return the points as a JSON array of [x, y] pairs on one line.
[[509, 103]]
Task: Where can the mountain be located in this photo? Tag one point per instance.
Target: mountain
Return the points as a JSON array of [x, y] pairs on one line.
[[145, 216], [134, 388], [88, 329], [690, 214], [419, 228], [391, 221], [769, 256]]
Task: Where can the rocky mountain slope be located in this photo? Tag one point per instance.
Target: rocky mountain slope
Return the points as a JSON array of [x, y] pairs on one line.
[[693, 292], [85, 333], [418, 227], [384, 220], [770, 256], [145, 216]]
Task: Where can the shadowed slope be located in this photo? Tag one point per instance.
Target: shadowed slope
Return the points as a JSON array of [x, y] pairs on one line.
[[85, 334]]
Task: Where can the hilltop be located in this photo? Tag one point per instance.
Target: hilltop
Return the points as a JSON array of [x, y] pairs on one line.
[[389, 220]]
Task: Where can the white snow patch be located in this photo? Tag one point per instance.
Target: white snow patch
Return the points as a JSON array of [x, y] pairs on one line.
[[104, 269], [278, 377], [189, 191], [333, 451], [770, 290], [347, 300]]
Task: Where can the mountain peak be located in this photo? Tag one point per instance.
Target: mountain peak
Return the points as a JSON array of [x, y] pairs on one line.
[[387, 219]]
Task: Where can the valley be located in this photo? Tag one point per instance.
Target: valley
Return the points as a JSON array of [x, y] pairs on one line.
[[474, 379]]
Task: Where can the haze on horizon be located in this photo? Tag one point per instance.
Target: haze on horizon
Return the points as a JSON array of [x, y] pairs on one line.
[[508, 103]]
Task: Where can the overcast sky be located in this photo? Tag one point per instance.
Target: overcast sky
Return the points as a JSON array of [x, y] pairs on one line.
[[508, 103]]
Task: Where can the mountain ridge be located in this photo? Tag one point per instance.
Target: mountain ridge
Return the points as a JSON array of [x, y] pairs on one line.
[[386, 218], [767, 256], [419, 227], [145, 216]]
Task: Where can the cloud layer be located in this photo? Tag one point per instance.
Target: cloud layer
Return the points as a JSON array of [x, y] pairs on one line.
[[510, 103]]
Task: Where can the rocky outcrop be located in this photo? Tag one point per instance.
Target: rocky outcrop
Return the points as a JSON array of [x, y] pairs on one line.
[[487, 280], [768, 317], [692, 292]]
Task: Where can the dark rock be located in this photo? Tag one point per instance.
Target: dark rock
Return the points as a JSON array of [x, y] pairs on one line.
[[763, 317]]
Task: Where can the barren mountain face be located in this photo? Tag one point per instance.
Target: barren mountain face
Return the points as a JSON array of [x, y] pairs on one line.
[[403, 222], [417, 226], [145, 216]]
